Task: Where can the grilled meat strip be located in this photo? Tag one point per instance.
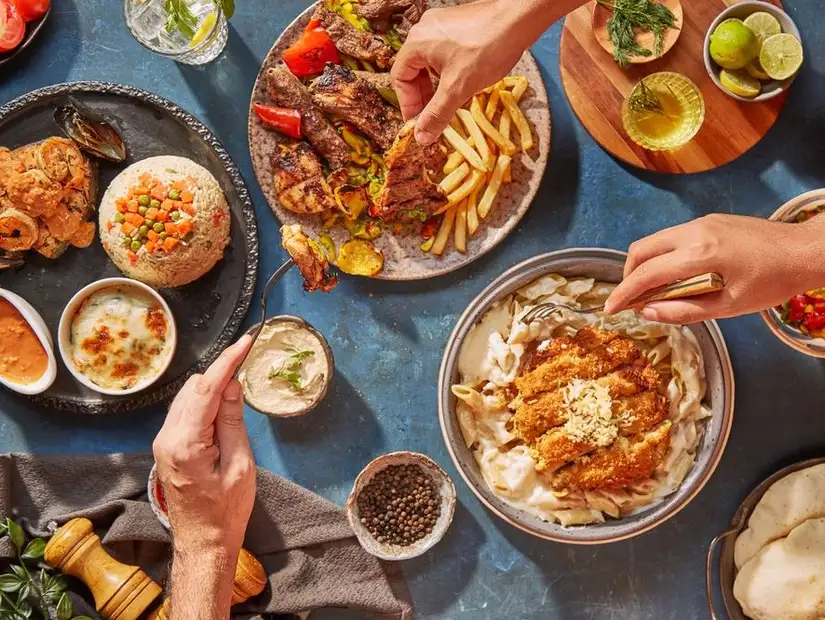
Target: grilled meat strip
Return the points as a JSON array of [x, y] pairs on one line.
[[381, 13], [286, 91], [339, 91], [353, 42], [314, 267], [412, 172], [299, 180]]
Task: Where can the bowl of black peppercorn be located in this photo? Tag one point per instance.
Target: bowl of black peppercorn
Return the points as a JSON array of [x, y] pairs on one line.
[[401, 505]]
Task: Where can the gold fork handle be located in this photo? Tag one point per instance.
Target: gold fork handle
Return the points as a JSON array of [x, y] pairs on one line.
[[697, 285]]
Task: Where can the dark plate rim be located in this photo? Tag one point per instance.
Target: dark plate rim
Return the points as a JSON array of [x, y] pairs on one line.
[[167, 391], [32, 30]]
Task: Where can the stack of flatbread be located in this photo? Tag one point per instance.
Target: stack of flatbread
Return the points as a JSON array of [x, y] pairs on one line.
[[780, 557]]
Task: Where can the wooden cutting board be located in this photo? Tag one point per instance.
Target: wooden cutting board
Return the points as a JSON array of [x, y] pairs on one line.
[[596, 88]]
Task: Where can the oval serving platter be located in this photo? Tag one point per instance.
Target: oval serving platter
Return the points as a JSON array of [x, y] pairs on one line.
[[604, 265], [404, 260], [210, 310], [32, 31]]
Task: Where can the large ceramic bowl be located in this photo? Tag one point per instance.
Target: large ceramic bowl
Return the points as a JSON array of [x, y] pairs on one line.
[[604, 265], [791, 336], [740, 10]]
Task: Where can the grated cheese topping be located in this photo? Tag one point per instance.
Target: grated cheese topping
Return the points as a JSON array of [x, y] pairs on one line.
[[590, 413]]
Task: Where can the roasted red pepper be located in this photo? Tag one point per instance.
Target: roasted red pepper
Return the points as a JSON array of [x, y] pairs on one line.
[[284, 120], [310, 54], [430, 227]]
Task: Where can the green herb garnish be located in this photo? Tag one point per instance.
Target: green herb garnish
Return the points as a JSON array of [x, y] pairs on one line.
[[629, 15], [418, 214], [644, 99], [290, 369], [180, 18]]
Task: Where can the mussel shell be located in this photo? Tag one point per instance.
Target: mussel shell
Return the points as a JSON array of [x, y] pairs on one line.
[[90, 132]]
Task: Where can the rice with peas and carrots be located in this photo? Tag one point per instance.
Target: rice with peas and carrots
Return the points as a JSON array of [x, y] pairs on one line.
[[164, 221]]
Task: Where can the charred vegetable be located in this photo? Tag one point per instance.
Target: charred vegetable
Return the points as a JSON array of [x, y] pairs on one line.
[[310, 54], [91, 133], [359, 257], [283, 120], [362, 229], [309, 257], [351, 200]]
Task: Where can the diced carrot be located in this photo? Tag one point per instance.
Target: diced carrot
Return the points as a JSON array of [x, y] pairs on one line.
[[179, 185], [109, 226], [150, 246], [188, 209], [133, 206], [162, 216], [153, 236], [167, 204], [151, 213], [170, 228], [146, 179], [184, 227], [122, 207], [158, 193], [132, 257], [178, 205], [187, 196], [126, 228], [135, 218], [170, 243], [141, 191], [130, 194]]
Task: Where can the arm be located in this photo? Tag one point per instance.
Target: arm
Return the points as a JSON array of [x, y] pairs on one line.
[[469, 47], [762, 263], [205, 463]]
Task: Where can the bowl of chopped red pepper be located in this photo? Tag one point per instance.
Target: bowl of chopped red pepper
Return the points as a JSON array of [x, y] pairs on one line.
[[800, 321]]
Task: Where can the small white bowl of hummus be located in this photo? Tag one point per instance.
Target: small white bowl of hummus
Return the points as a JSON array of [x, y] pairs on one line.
[[117, 336], [27, 361], [288, 370]]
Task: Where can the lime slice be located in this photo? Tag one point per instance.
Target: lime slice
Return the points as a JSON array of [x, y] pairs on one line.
[[763, 24], [781, 56], [206, 27], [755, 70], [740, 83]]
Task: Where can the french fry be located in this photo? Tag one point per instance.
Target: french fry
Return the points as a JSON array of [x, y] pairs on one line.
[[504, 125], [459, 128], [492, 104], [460, 145], [451, 182], [472, 211], [443, 234], [513, 81], [520, 88], [466, 188], [475, 133], [486, 202], [505, 144], [460, 239], [518, 119], [453, 161]]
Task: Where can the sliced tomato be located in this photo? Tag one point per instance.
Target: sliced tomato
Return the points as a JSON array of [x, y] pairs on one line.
[[12, 27], [814, 322], [310, 54], [31, 10], [285, 120]]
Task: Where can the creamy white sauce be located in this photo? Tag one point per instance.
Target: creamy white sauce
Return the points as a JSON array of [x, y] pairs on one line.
[[285, 348]]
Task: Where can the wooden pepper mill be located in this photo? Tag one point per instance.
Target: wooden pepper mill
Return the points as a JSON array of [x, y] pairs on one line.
[[121, 592], [250, 580]]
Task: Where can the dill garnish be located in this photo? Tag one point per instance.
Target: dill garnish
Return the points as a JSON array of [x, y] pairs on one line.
[[643, 99], [628, 15]]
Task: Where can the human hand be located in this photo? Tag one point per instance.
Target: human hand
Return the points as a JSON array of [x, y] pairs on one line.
[[762, 263], [205, 461], [470, 47]]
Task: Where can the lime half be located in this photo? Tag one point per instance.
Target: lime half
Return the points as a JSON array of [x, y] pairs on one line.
[[733, 45], [204, 30], [763, 24], [740, 83], [781, 56], [755, 70]]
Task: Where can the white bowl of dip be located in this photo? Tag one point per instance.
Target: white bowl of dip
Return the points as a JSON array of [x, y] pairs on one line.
[[91, 307], [12, 375], [288, 370]]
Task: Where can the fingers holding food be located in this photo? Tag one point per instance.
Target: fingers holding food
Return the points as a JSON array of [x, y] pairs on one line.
[[309, 257]]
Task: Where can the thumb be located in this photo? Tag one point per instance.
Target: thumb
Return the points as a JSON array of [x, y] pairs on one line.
[[438, 112]]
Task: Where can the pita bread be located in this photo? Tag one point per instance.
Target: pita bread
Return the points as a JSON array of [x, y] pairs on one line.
[[787, 503], [786, 579]]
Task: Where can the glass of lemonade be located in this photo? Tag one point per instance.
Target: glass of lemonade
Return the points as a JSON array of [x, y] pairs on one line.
[[196, 39], [663, 112]]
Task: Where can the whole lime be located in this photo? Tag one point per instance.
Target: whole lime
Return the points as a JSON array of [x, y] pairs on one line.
[[733, 45]]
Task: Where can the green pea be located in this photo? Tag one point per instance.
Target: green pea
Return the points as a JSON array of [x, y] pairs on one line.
[[143, 230], [136, 245], [155, 204], [174, 194], [175, 215], [144, 200], [158, 227], [127, 242], [143, 210], [119, 218], [150, 223], [163, 236]]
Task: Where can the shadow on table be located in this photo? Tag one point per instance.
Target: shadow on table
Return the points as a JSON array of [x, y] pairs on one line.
[[329, 446]]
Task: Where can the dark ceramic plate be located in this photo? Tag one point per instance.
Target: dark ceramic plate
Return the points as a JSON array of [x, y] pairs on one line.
[[209, 311], [32, 30]]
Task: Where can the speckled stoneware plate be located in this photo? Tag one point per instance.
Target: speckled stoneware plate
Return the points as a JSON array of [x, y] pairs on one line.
[[604, 265], [727, 566], [791, 336], [209, 311], [32, 31], [403, 258]]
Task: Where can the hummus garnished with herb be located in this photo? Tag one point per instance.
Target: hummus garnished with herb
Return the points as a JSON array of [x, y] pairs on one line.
[[287, 370]]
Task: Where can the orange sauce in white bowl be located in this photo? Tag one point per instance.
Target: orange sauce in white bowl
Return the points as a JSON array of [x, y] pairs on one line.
[[23, 359]]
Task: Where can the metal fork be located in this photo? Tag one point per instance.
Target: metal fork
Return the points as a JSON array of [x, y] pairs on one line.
[[697, 285], [273, 279]]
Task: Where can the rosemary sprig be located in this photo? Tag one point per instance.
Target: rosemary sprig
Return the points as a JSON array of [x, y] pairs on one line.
[[629, 15], [179, 17], [643, 99]]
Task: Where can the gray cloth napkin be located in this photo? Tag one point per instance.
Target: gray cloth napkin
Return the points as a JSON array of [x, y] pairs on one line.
[[304, 541]]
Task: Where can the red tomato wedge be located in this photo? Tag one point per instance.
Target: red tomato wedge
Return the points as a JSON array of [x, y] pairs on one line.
[[310, 54], [285, 120], [30, 10], [12, 27]]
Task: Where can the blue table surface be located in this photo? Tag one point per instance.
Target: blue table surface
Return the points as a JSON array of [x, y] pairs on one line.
[[388, 338]]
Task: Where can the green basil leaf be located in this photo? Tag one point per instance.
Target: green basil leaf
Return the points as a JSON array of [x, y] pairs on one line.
[[64, 608], [34, 550], [16, 534]]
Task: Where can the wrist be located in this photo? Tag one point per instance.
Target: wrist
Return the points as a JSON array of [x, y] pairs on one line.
[[527, 20], [202, 582], [807, 251]]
